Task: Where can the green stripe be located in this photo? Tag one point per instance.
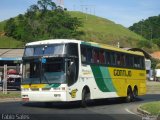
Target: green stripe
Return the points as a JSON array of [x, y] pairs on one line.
[[102, 78], [90, 44], [99, 78], [52, 85], [107, 79]]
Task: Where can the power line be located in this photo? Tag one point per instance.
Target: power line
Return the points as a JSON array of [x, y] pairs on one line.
[[88, 9]]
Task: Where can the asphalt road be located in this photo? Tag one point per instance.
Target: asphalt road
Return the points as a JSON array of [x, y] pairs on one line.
[[108, 109]]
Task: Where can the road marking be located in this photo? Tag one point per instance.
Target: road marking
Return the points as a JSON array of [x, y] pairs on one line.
[[126, 109], [129, 111]]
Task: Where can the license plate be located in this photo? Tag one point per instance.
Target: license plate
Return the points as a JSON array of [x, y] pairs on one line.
[[25, 99]]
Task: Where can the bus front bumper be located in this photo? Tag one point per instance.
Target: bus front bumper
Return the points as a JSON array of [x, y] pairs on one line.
[[45, 96]]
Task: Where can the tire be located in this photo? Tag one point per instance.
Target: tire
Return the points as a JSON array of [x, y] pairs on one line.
[[135, 94], [85, 98], [129, 97], [48, 104]]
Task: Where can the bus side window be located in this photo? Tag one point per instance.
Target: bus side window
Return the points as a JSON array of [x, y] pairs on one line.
[[113, 58], [118, 60], [83, 53], [136, 62], [95, 56], [122, 60], [108, 58], [129, 61], [142, 63], [89, 55], [101, 57]]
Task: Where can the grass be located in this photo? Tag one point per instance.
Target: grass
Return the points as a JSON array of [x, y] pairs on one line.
[[2, 24], [10, 94], [101, 30], [8, 42], [152, 107]]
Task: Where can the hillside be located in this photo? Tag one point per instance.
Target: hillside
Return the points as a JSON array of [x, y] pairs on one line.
[[148, 28], [101, 30], [96, 29], [8, 42]]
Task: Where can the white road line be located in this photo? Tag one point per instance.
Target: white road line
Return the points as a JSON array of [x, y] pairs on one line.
[[126, 109]]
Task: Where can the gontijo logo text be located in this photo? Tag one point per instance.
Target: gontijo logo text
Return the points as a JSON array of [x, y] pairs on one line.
[[118, 72]]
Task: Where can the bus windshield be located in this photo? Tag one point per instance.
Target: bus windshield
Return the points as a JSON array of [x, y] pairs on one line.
[[53, 70], [44, 70]]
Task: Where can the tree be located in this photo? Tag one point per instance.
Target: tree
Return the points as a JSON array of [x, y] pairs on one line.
[[10, 27], [33, 8], [149, 28], [43, 21], [44, 4]]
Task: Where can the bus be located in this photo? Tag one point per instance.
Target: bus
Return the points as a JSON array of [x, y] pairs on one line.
[[63, 70]]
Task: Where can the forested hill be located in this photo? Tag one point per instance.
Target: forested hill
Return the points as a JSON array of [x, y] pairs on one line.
[[149, 29]]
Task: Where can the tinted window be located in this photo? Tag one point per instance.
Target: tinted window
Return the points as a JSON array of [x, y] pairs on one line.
[[72, 49], [89, 55], [101, 57], [83, 53]]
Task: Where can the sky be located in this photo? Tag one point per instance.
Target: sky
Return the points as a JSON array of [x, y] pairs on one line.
[[124, 12]]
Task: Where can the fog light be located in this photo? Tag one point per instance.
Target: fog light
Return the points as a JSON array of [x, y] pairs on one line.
[[25, 89], [63, 88], [57, 95], [24, 95]]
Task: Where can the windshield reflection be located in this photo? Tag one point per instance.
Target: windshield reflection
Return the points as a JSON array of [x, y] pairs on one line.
[[31, 71], [50, 71]]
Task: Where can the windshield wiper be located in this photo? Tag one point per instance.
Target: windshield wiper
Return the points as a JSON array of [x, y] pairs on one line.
[[31, 81], [46, 79]]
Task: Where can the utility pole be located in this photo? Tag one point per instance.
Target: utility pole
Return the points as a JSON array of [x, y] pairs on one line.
[[86, 8], [5, 80], [151, 34], [91, 8]]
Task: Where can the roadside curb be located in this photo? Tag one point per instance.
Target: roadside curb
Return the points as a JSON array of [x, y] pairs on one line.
[[143, 112], [10, 99]]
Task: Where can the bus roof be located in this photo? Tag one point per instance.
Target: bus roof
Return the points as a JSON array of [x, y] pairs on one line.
[[113, 48], [99, 45], [53, 41]]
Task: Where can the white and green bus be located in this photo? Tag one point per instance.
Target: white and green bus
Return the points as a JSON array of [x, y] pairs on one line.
[[62, 70]]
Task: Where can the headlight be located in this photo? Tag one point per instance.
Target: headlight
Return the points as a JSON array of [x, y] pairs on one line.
[[25, 89]]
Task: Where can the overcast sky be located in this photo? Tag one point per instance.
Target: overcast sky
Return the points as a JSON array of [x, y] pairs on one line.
[[125, 12]]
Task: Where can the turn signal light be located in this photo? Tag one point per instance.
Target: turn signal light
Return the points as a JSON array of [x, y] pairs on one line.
[[63, 88]]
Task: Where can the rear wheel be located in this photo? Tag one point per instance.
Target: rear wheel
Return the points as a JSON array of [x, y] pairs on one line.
[[135, 94]]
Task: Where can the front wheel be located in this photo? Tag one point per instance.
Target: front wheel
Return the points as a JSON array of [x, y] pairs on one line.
[[129, 97], [85, 98]]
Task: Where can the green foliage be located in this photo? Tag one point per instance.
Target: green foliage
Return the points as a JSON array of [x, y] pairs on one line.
[[154, 63], [149, 28], [144, 43], [156, 41], [43, 21]]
